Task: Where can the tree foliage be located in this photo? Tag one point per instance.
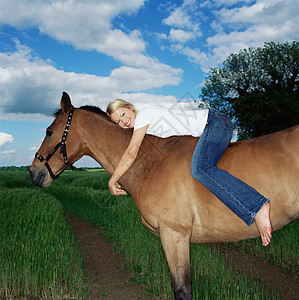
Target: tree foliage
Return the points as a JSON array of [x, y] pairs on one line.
[[257, 88]]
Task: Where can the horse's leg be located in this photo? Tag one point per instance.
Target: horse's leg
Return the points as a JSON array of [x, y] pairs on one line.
[[176, 247]]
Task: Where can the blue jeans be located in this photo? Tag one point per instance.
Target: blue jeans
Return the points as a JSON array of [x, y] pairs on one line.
[[242, 199]]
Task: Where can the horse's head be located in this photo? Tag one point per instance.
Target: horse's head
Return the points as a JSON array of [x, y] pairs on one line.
[[59, 149]]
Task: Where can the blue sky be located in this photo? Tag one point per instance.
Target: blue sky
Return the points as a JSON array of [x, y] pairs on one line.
[[147, 52]]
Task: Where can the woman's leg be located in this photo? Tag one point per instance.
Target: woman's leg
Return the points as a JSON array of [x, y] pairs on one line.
[[242, 199]]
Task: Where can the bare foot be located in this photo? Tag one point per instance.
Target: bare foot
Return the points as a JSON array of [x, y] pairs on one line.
[[262, 221]]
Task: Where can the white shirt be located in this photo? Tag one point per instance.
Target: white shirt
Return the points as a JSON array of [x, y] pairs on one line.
[[168, 122]]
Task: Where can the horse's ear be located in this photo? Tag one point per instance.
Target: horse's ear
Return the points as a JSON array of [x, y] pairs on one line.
[[65, 102]]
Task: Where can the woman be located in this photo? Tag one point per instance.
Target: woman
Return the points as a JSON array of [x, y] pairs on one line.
[[215, 131]]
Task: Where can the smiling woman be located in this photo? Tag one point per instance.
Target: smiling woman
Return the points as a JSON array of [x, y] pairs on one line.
[[122, 113]]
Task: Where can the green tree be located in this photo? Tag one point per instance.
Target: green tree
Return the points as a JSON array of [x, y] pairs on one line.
[[257, 88]]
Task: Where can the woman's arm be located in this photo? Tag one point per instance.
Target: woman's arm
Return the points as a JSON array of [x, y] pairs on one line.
[[126, 161]]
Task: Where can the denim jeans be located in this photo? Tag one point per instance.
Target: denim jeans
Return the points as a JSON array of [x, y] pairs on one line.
[[242, 199]]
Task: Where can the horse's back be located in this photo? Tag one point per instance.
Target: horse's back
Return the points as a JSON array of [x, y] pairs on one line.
[[268, 163], [266, 160]]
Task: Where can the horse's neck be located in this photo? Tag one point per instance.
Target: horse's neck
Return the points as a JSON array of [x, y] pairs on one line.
[[106, 143]]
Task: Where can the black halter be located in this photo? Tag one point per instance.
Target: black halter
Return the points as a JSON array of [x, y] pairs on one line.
[[60, 145]]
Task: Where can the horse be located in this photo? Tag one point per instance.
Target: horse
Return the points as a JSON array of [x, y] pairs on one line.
[[172, 204]]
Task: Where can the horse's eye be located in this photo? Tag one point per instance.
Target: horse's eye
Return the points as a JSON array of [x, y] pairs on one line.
[[49, 132]]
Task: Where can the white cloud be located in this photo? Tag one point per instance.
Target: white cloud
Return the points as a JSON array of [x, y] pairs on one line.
[[27, 82], [184, 16], [184, 21], [254, 24], [262, 11], [30, 85], [249, 24], [7, 152], [84, 24], [5, 138], [142, 100], [5, 156], [195, 55], [181, 36], [179, 18], [161, 36], [255, 36], [229, 2]]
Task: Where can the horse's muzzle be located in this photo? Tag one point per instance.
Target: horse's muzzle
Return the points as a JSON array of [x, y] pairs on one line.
[[40, 178]]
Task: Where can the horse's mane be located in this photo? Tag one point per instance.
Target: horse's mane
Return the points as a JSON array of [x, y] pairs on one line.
[[94, 109], [91, 108]]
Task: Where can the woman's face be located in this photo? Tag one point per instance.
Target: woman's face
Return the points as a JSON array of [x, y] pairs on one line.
[[124, 117]]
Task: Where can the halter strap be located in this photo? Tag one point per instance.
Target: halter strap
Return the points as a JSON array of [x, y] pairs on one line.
[[62, 147], [64, 136]]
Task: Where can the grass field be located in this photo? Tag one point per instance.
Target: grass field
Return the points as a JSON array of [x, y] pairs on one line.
[[39, 256]]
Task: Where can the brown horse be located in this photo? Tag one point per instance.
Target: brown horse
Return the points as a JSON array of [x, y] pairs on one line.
[[171, 203]]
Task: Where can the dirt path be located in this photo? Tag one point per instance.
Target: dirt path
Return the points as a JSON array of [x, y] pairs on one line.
[[110, 281], [270, 275]]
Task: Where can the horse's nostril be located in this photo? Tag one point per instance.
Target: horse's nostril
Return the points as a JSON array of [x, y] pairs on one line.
[[37, 178], [40, 178]]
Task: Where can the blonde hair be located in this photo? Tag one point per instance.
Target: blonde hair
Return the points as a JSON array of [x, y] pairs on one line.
[[119, 103]]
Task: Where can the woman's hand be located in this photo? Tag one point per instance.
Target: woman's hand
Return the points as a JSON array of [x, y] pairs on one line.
[[115, 188]]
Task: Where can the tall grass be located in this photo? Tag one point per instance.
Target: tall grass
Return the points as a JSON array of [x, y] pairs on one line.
[[86, 195], [118, 216], [39, 256], [282, 251]]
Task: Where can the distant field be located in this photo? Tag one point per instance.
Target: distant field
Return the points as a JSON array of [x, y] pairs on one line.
[[39, 255], [95, 170]]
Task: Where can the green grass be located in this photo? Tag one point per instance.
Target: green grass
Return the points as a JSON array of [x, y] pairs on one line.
[[282, 251], [39, 256], [86, 195], [213, 279], [119, 217]]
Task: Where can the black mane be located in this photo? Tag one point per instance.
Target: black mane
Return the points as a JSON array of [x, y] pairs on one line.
[[94, 109], [57, 113], [91, 108]]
